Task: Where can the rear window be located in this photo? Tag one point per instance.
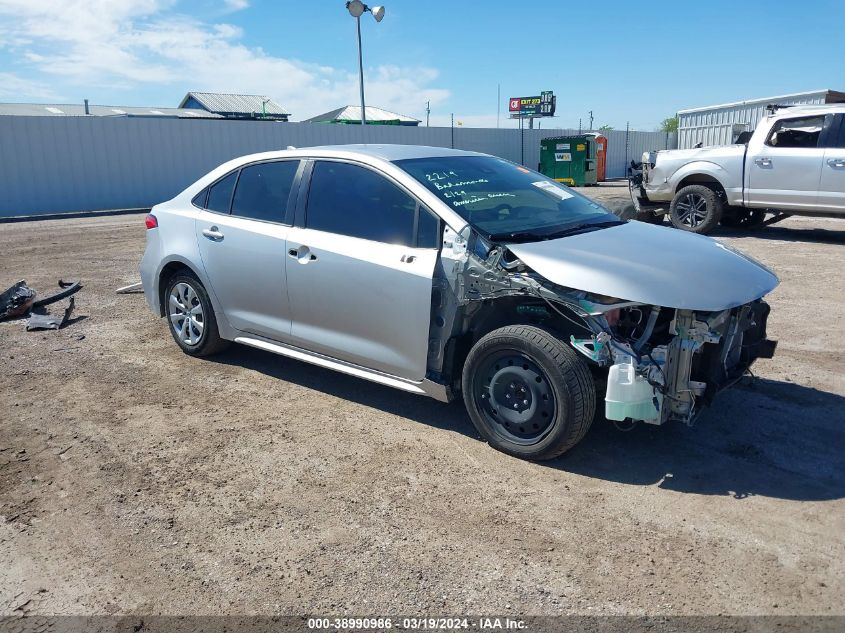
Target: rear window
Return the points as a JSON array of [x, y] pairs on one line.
[[263, 190], [220, 194]]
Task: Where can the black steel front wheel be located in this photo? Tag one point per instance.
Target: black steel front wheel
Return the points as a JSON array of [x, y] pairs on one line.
[[514, 396], [528, 393]]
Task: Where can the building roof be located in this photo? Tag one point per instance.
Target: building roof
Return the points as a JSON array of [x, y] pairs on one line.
[[833, 96], [223, 103], [78, 109], [352, 114]]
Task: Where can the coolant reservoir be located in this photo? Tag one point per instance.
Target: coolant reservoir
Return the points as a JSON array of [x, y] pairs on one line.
[[630, 395]]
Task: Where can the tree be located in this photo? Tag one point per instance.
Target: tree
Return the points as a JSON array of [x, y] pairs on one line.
[[670, 124], [605, 128]]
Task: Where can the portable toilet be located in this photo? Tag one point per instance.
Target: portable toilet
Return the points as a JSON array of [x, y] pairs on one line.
[[601, 156], [569, 159]]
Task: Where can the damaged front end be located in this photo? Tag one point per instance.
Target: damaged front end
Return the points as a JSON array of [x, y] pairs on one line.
[[661, 363], [665, 363]]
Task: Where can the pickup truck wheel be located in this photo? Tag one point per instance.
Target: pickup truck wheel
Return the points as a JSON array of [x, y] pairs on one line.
[[744, 218], [696, 208], [528, 393]]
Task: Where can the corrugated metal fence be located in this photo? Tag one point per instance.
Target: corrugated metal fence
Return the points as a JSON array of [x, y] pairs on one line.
[[66, 164]]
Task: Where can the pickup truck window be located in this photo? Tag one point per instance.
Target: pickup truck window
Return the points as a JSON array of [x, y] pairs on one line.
[[838, 139], [799, 132]]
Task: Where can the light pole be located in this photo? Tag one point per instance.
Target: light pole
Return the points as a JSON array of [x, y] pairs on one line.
[[356, 9]]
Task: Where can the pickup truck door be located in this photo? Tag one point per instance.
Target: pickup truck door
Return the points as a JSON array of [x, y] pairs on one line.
[[832, 184], [783, 170], [360, 264]]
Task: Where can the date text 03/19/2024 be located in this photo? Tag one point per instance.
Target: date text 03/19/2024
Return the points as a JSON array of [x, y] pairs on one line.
[[416, 623]]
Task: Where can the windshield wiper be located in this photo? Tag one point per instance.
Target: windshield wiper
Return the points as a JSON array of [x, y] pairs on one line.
[[570, 230], [581, 228]]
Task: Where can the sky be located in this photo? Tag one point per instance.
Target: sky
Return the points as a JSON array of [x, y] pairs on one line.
[[629, 62]]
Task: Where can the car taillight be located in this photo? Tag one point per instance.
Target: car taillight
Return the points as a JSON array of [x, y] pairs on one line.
[[151, 221]]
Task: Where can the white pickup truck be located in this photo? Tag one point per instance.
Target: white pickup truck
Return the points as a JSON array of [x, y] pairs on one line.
[[792, 164]]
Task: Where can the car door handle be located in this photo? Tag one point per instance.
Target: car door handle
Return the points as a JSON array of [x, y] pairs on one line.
[[304, 255], [836, 162], [213, 233], [763, 162], [408, 259]]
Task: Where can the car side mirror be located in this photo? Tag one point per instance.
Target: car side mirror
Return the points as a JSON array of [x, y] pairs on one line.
[[456, 241]]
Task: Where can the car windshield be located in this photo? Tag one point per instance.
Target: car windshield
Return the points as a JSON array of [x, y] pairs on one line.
[[505, 201]]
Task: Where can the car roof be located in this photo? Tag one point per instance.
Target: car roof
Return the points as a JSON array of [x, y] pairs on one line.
[[383, 151], [393, 152]]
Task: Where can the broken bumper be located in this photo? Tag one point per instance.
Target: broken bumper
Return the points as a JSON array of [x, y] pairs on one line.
[[674, 380]]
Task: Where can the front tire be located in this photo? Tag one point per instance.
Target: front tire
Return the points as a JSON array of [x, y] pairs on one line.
[[696, 208], [527, 393], [190, 316]]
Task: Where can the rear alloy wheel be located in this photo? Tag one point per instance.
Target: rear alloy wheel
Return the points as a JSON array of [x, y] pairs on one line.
[[696, 208], [191, 316], [528, 393]]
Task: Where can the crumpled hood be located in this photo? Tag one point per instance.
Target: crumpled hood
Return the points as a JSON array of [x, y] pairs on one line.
[[651, 264]]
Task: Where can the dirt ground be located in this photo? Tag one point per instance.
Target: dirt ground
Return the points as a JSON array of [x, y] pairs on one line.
[[135, 479]]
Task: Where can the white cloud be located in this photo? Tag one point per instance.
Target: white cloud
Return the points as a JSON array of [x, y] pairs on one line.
[[14, 88], [236, 5], [121, 45]]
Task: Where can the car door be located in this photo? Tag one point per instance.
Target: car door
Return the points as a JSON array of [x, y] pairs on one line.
[[359, 283], [242, 235], [832, 183], [783, 171]]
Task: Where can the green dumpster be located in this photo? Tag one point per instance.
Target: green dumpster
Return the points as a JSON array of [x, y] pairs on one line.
[[570, 159]]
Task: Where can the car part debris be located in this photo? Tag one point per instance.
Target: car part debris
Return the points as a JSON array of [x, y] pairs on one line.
[[16, 301], [50, 321], [68, 288], [131, 289]]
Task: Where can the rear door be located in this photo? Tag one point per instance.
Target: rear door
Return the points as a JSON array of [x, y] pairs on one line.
[[784, 170], [832, 185], [242, 236], [360, 266]]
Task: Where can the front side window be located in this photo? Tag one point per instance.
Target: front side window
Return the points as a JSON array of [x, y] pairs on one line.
[[428, 229], [503, 200], [263, 190], [220, 194], [351, 200], [799, 132]]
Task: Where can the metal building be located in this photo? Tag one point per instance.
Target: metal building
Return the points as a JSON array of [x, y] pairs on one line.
[[86, 109], [235, 106], [721, 124], [352, 115]]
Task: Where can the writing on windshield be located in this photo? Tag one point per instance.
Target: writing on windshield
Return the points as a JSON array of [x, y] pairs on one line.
[[498, 197], [455, 189]]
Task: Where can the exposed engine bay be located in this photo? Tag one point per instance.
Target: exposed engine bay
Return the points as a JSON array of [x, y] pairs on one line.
[[660, 363]]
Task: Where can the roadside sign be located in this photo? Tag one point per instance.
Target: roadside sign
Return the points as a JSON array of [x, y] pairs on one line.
[[537, 106]]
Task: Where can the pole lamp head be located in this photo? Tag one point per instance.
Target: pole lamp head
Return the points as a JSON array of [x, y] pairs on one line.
[[356, 8], [378, 13]]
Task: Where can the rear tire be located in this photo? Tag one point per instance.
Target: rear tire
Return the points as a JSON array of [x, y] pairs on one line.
[[528, 393], [190, 316], [696, 208]]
